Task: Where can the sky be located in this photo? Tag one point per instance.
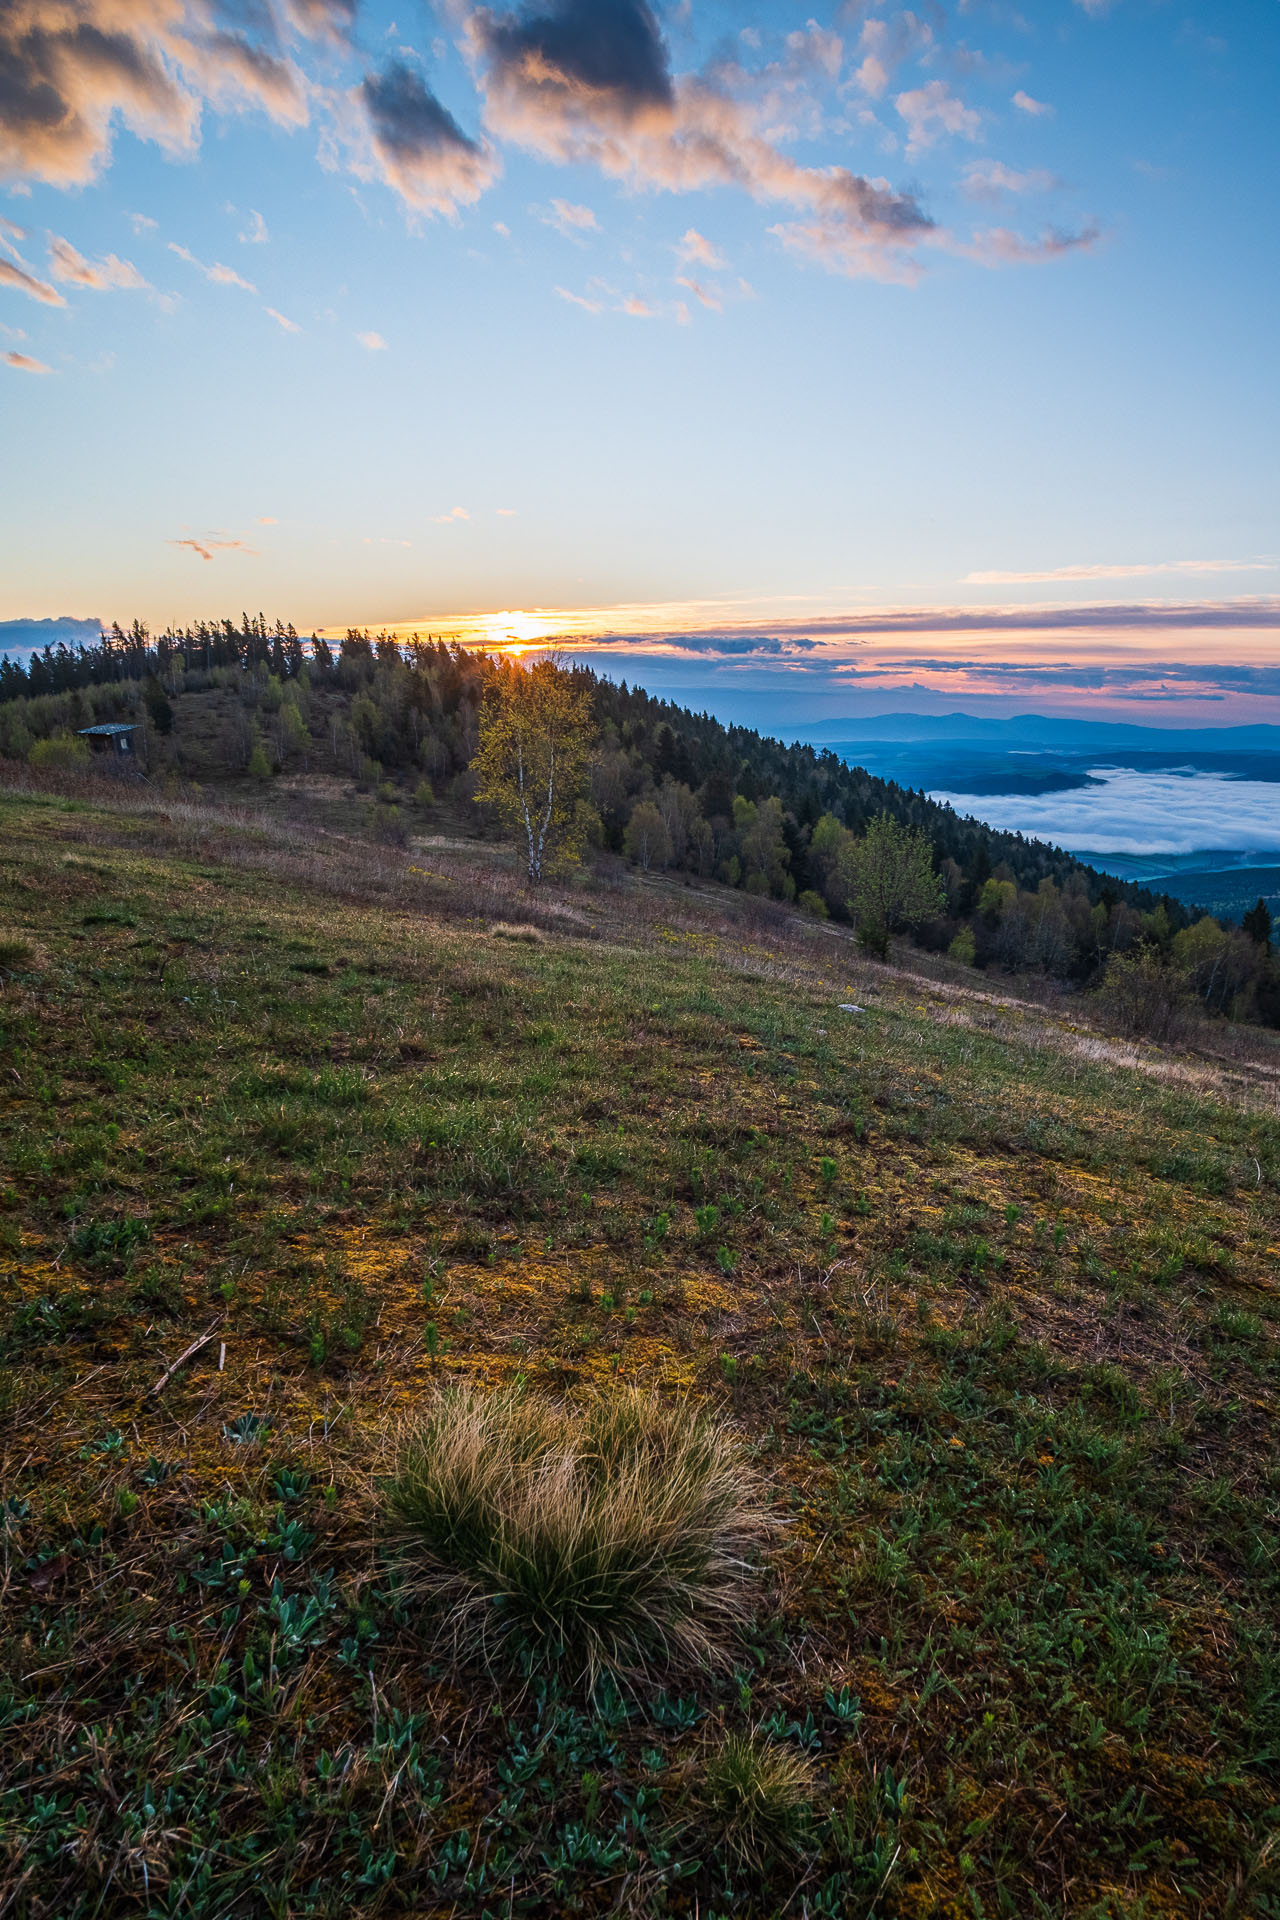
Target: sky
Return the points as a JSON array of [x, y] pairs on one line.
[[793, 363]]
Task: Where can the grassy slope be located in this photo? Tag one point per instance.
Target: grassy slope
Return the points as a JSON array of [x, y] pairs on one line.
[[998, 1311]]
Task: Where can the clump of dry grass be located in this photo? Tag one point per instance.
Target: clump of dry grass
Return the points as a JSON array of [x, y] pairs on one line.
[[758, 1795], [624, 1535], [18, 954], [518, 930]]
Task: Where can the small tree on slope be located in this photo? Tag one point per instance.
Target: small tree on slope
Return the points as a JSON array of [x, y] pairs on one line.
[[536, 735], [891, 882]]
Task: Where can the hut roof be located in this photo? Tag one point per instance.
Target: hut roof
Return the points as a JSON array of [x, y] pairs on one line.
[[110, 728]]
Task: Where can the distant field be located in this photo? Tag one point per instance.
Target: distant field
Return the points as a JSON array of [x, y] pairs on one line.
[[992, 1300]]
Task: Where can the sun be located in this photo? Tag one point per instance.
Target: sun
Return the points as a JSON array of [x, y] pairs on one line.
[[515, 631]]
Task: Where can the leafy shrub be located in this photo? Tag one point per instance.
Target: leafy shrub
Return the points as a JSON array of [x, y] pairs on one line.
[[622, 1536], [1144, 995], [66, 751]]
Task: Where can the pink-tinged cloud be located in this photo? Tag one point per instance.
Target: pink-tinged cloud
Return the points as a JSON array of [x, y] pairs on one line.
[[637, 308], [706, 295], [25, 363], [220, 276], [233, 73], [579, 84], [283, 321], [884, 45], [12, 274], [992, 180], [400, 131], [933, 110], [208, 546], [1107, 571], [372, 342], [580, 300], [71, 267], [569, 219], [454, 515], [75, 69], [1002, 247], [1025, 104], [697, 251]]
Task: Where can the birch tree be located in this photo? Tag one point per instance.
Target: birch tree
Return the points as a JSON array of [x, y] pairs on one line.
[[536, 736]]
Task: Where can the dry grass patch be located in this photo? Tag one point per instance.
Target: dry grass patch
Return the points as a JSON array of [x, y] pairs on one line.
[[759, 1796], [622, 1535]]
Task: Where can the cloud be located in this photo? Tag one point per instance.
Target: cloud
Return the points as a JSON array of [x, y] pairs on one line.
[[707, 295], [209, 545], [323, 19], [281, 320], [13, 274], [73, 69], [637, 308], [142, 223], [991, 180], [1123, 572], [1025, 104], [884, 45], [589, 81], [373, 342], [73, 269], [506, 513], [233, 73], [267, 520], [1131, 811], [220, 275], [1002, 247], [697, 251], [717, 646], [932, 110], [70, 70], [581, 300], [568, 219], [418, 146], [24, 363], [579, 55], [255, 234]]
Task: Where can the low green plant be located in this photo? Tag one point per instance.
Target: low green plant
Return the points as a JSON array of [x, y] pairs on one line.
[[759, 1796], [623, 1535]]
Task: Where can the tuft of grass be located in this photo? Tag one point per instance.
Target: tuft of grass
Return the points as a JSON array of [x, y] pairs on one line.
[[624, 1535], [758, 1795], [16, 952], [516, 930]]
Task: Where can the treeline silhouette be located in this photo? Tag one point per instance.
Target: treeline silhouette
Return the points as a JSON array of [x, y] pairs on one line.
[[671, 789]]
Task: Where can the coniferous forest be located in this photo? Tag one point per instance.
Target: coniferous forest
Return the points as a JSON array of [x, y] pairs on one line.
[[671, 791]]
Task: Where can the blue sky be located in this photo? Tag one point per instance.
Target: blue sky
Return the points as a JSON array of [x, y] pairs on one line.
[[724, 341]]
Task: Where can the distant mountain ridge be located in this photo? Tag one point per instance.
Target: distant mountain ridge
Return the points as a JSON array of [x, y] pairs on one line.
[[1032, 729], [28, 636]]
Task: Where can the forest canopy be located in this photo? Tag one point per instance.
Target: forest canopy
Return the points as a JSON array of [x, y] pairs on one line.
[[659, 786]]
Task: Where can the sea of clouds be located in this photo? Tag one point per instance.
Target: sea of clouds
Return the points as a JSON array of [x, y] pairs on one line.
[[1140, 813]]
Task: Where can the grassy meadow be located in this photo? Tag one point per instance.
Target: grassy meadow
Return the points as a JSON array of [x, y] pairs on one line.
[[986, 1302]]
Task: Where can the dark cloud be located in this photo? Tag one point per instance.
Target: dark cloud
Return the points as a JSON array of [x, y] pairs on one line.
[[420, 148], [66, 69], [590, 81], [721, 646], [1259, 611], [612, 48]]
